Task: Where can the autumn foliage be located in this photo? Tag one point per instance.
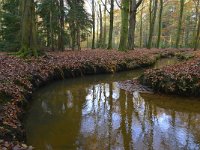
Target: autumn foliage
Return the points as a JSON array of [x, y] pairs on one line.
[[182, 78], [19, 77]]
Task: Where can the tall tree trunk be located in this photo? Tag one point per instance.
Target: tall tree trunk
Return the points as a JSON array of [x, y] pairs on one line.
[[101, 28], [29, 40], [104, 26], [132, 23], [180, 23], [1, 4], [51, 27], [111, 24], [197, 36], [160, 23], [73, 35], [78, 39], [124, 25], [197, 3], [61, 32], [152, 22], [97, 29], [93, 24], [141, 26]]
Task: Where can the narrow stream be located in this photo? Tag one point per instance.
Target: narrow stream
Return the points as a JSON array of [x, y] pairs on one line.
[[92, 113]]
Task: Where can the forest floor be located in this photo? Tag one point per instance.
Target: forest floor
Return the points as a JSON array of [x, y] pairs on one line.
[[20, 77]]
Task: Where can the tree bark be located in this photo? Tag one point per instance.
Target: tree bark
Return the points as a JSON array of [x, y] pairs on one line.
[[78, 39], [29, 45], [51, 27], [101, 28], [93, 25], [141, 26], [61, 32], [111, 24], [132, 23], [105, 23], [197, 3], [197, 36], [180, 23], [152, 23], [124, 25], [160, 24]]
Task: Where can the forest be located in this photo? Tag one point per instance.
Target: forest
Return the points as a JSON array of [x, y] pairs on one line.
[[99, 74], [32, 27]]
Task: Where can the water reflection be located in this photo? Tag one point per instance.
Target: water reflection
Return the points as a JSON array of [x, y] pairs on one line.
[[92, 113], [101, 116]]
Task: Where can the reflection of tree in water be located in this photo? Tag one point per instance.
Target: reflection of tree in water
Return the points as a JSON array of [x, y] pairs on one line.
[[140, 122], [102, 116]]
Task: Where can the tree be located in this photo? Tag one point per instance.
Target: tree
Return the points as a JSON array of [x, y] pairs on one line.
[[180, 23], [61, 26], [49, 26], [196, 26], [132, 22], [124, 25], [10, 21], [101, 27], [141, 25], [93, 24], [29, 46], [111, 24], [105, 23], [197, 36], [160, 23], [79, 22], [152, 18]]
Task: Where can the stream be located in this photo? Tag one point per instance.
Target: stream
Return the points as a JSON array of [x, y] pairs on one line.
[[92, 113]]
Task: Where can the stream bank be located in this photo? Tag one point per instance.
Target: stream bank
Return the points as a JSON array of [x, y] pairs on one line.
[[19, 78]]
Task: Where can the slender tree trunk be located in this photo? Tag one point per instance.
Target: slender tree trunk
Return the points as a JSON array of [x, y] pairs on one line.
[[141, 25], [132, 23], [29, 40], [93, 25], [197, 36], [51, 27], [152, 23], [111, 24], [196, 20], [160, 24], [78, 39], [97, 30], [124, 25], [1, 4], [180, 23], [73, 35], [61, 33], [187, 32], [101, 28], [104, 28]]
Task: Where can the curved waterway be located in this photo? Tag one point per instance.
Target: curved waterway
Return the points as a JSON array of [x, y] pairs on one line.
[[92, 113]]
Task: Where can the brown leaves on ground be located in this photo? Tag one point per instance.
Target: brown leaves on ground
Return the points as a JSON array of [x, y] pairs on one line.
[[181, 79], [19, 77]]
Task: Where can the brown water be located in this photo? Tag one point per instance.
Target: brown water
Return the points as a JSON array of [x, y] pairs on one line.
[[92, 113]]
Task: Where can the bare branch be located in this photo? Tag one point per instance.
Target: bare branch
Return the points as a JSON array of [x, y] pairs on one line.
[[118, 4], [105, 6]]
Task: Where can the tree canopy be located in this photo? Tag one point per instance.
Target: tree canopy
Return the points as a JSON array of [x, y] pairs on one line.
[[30, 27]]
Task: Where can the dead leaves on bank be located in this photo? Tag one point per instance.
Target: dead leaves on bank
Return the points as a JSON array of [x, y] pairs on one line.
[[182, 78], [19, 77]]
